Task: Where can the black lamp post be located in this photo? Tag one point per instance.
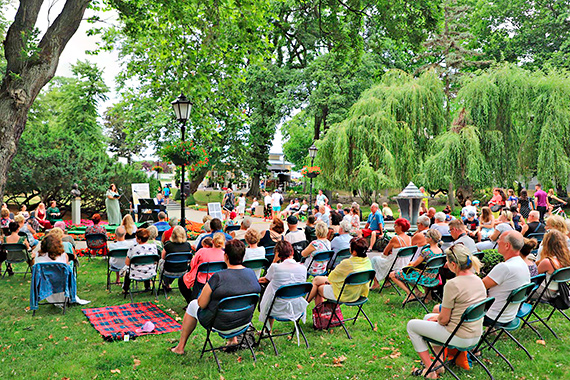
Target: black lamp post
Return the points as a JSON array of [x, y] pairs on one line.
[[182, 107], [312, 153]]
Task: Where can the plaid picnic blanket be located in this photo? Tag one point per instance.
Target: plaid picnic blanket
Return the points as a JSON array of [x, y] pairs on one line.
[[114, 322]]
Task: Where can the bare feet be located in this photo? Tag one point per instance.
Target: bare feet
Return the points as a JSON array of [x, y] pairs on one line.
[[177, 351]]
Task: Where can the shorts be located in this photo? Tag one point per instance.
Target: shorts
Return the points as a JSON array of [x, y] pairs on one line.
[[229, 208], [276, 208], [166, 196], [367, 232], [328, 292]]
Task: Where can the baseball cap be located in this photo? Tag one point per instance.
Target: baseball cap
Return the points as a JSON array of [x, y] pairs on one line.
[[292, 220]]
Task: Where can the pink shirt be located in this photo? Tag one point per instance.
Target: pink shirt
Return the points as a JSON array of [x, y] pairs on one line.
[[204, 255], [541, 197]]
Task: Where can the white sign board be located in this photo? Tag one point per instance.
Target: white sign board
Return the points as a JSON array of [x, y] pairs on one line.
[[140, 190], [215, 210]]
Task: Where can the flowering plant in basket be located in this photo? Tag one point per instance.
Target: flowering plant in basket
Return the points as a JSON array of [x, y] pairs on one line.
[[157, 169], [308, 170], [185, 153]]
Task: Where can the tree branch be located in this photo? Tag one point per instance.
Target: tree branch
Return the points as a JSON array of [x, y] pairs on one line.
[[23, 24]]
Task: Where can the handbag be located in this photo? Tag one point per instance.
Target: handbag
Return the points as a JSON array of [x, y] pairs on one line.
[[495, 208], [562, 301], [323, 312]]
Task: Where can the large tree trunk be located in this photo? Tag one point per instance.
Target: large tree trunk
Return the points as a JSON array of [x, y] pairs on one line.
[[27, 73], [254, 189], [197, 179]]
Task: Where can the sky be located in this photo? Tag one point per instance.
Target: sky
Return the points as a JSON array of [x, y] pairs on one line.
[[81, 42]]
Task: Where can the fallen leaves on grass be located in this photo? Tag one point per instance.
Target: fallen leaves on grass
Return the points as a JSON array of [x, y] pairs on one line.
[[299, 366], [116, 371], [136, 363], [395, 354], [239, 359], [337, 362], [375, 327], [323, 354], [540, 341]]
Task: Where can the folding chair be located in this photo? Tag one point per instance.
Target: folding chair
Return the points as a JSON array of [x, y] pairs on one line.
[[61, 279], [94, 237], [256, 264], [209, 268], [232, 228], [516, 297], [269, 254], [6, 231], [526, 307], [536, 235], [143, 260], [560, 275], [446, 240], [471, 314], [320, 257], [406, 252], [118, 254], [435, 263], [175, 266], [337, 258], [230, 305], [17, 253], [286, 293], [479, 255], [298, 248], [355, 278]]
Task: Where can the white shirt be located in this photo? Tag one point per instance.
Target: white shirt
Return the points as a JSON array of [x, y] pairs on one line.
[[116, 262], [254, 254], [276, 197], [295, 236], [509, 275], [254, 204], [304, 207], [267, 200], [467, 209]]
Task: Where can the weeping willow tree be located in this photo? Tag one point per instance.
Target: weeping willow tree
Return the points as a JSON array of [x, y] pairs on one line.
[[457, 161], [385, 135], [523, 120]]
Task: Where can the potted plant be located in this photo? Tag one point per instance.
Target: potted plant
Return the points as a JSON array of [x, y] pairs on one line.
[[311, 171], [185, 153]]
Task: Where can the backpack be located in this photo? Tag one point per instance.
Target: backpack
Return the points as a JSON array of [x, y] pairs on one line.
[[322, 314], [562, 301]]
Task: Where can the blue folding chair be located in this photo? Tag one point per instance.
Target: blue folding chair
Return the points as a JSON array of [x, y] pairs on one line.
[[228, 306], [175, 266], [232, 228], [143, 260], [355, 278], [320, 257], [255, 264], [285, 293], [61, 279], [337, 258], [429, 284], [269, 254], [208, 268]]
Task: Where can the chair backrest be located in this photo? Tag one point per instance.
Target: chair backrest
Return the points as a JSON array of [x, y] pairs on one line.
[[536, 235], [144, 259], [359, 278], [340, 255], [447, 239], [436, 262], [177, 262], [479, 255], [290, 291], [6, 231], [323, 256], [233, 228], [16, 252], [477, 311], [269, 254], [238, 303], [520, 294], [255, 264], [211, 267], [408, 251], [561, 275], [122, 252], [92, 237], [298, 247]]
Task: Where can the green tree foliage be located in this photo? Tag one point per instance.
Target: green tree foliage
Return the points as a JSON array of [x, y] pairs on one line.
[[63, 145], [386, 134], [298, 136], [531, 33]]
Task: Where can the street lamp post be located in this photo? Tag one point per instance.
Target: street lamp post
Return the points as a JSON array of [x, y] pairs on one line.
[[312, 154], [182, 107]]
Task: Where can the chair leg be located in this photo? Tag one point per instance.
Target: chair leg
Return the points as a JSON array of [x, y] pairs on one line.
[[368, 319], [271, 339], [525, 323], [302, 333], [482, 365], [519, 344], [205, 343], [215, 356], [564, 314], [357, 314], [248, 346]]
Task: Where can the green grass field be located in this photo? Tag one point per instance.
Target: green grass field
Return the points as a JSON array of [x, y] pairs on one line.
[[55, 346]]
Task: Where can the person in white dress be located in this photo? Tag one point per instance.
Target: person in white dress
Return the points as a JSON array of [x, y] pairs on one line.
[[381, 264], [284, 271], [241, 205]]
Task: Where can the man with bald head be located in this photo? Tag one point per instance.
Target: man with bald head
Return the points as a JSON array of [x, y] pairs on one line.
[[506, 277], [121, 243], [431, 215], [533, 224]]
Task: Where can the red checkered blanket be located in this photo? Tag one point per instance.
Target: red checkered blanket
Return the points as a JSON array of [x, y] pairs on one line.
[[114, 322]]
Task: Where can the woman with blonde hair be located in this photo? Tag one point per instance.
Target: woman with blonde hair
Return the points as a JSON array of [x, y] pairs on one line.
[[176, 244], [554, 223], [316, 246], [130, 226], [555, 255], [459, 293], [190, 285]]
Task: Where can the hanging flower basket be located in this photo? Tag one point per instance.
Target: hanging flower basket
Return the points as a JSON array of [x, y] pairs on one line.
[[157, 169], [311, 171], [185, 153]]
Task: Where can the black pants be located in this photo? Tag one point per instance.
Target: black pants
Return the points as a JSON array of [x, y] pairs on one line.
[[542, 211], [127, 283], [189, 294]]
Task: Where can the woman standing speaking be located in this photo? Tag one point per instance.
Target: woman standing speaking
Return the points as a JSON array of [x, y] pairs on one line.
[[112, 205]]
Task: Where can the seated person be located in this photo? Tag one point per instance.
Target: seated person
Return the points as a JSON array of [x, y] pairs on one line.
[[555, 255], [387, 212], [53, 213], [459, 234], [117, 262], [383, 262], [212, 251], [96, 228], [253, 252], [232, 220], [162, 224], [441, 224], [140, 272], [215, 226], [310, 234], [419, 237], [413, 276], [328, 288], [468, 209], [24, 211], [66, 237], [40, 216], [5, 218], [294, 235], [254, 205], [177, 243], [533, 224], [67, 247], [374, 225], [284, 271], [13, 238], [335, 219], [472, 226], [459, 293], [244, 226], [234, 281], [323, 215], [130, 226], [273, 234], [173, 222], [528, 247], [342, 241], [52, 250], [153, 235], [159, 201], [27, 230], [504, 223], [316, 246], [303, 210]]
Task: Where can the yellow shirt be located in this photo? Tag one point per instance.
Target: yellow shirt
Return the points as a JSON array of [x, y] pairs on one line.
[[425, 200], [343, 269]]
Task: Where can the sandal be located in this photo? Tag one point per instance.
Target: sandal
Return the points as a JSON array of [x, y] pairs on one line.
[[422, 372]]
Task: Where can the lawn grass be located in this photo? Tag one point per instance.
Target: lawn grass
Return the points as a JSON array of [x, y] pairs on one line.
[[55, 346]]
